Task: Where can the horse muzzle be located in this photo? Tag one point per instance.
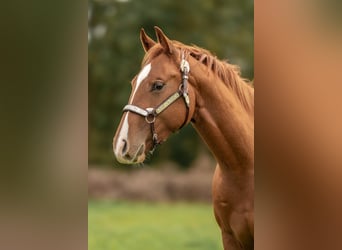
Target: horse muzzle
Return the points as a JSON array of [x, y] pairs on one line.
[[129, 154]]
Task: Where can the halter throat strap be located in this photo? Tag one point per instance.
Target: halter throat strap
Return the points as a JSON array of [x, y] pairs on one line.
[[150, 114]]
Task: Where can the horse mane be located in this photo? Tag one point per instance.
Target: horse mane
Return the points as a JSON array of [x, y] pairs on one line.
[[230, 74]]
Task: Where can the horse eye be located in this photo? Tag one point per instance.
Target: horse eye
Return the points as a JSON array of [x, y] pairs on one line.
[[157, 86]]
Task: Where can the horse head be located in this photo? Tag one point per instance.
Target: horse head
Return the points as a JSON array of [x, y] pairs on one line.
[[161, 101]]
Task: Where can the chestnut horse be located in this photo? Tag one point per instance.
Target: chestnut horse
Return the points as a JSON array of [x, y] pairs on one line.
[[179, 84]]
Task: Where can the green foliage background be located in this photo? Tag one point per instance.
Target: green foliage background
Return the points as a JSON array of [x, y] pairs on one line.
[[223, 27]]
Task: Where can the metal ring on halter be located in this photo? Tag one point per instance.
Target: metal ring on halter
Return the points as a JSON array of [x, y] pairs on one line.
[[147, 118]]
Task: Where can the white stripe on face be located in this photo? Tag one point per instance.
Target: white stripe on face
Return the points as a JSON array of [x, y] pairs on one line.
[[141, 77], [123, 135]]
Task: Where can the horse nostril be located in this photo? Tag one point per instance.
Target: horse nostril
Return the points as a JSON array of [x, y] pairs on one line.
[[124, 147]]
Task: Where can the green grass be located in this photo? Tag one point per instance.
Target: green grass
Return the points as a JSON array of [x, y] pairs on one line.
[[144, 226]]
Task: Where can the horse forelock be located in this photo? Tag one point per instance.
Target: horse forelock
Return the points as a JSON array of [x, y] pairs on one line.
[[151, 54]]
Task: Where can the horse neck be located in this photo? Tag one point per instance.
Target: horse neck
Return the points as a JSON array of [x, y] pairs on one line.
[[224, 123]]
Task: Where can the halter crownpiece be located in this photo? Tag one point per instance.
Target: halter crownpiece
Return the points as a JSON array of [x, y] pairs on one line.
[[185, 69], [150, 114]]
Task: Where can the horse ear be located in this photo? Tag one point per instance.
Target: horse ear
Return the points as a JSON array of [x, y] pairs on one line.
[[146, 41], [163, 40]]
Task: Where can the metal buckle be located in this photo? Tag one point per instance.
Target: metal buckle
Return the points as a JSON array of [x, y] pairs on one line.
[[185, 95], [186, 98], [148, 118], [184, 66]]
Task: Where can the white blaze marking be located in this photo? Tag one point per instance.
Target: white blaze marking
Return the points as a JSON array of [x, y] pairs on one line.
[[123, 135], [141, 77]]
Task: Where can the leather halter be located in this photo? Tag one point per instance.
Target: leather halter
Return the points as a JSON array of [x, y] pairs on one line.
[[150, 114]]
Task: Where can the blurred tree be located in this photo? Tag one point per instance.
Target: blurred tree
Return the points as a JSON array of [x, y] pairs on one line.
[[223, 27]]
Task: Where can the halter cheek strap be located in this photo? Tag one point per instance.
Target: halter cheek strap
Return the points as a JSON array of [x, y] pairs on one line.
[[150, 114]]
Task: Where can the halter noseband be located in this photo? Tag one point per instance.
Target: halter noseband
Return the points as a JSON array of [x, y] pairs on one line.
[[150, 114]]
